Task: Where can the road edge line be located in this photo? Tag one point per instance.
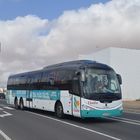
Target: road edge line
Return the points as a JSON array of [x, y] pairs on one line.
[[129, 112], [4, 135], [74, 125], [121, 120]]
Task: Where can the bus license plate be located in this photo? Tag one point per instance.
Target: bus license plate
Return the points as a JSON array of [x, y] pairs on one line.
[[106, 114]]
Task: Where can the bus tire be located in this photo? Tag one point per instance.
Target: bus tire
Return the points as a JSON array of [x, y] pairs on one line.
[[59, 110], [16, 103], [21, 104]]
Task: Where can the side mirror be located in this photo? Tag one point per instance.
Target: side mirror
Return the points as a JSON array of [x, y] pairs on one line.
[[119, 78], [81, 74], [75, 86], [83, 78]]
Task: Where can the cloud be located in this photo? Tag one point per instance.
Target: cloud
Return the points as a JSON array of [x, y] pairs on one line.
[[20, 44], [31, 42]]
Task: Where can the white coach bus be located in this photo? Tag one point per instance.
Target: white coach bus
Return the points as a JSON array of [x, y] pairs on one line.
[[81, 88]]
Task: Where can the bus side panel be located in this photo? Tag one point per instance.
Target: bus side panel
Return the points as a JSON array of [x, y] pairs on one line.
[[11, 94], [66, 100], [20, 94], [45, 99], [10, 97], [29, 98], [47, 105]]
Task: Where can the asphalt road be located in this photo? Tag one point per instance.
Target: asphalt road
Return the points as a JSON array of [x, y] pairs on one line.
[[40, 125]]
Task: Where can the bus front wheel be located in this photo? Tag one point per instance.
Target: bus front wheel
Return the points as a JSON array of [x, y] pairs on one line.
[[59, 110]]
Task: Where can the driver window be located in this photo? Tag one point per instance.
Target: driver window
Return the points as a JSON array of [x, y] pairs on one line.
[[113, 85], [76, 86]]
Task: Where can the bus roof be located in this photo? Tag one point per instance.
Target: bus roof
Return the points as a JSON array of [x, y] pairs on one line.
[[77, 64]]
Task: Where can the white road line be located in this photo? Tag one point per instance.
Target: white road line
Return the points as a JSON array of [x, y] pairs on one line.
[[137, 113], [5, 114], [6, 107], [4, 135], [119, 120], [133, 109], [132, 120], [1, 109], [77, 126]]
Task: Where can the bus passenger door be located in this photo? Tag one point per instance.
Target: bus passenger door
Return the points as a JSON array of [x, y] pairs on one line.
[[29, 99], [76, 106], [76, 100]]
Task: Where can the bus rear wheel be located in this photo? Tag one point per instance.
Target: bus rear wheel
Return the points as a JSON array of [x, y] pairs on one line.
[[59, 110], [21, 104], [16, 103]]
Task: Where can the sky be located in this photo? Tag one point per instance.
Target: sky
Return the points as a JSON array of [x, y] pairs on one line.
[[48, 9], [36, 33]]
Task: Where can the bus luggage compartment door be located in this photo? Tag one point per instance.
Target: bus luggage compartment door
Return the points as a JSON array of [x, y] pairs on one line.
[[29, 99]]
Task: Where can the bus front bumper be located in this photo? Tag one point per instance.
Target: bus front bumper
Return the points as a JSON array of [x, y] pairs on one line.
[[100, 113]]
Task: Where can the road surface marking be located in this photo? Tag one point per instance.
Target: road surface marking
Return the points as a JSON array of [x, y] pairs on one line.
[[5, 114], [132, 112], [1, 109], [77, 126], [136, 121], [6, 107], [4, 135], [133, 109], [119, 120]]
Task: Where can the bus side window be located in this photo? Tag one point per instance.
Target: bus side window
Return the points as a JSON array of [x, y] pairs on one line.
[[75, 86]]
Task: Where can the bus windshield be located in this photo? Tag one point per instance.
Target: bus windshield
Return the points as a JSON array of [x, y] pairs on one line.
[[100, 81]]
